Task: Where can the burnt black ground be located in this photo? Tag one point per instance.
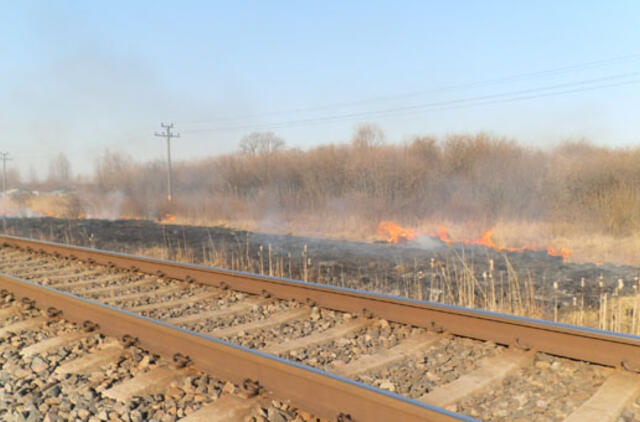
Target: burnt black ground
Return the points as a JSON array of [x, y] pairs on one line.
[[375, 266]]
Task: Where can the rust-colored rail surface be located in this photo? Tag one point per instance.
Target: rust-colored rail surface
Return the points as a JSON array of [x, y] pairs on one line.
[[324, 394], [586, 344]]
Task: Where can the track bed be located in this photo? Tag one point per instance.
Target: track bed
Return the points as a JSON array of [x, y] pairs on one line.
[[480, 378], [55, 370]]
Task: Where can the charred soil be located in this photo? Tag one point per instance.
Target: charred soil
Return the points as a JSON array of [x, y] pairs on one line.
[[410, 269]]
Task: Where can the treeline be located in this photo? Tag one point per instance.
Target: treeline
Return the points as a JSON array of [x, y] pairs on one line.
[[480, 178]]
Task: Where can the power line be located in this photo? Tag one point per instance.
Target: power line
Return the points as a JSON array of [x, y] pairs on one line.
[[486, 82], [168, 135], [526, 94], [529, 97]]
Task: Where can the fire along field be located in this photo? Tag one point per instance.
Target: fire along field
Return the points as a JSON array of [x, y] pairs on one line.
[[299, 212]]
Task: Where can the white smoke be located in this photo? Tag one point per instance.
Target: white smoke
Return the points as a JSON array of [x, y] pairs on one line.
[[108, 208], [426, 242]]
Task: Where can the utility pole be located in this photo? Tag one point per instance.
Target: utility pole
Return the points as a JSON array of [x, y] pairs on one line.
[[168, 135], [4, 156]]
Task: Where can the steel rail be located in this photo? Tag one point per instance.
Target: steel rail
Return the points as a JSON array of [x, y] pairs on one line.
[[324, 394], [570, 341]]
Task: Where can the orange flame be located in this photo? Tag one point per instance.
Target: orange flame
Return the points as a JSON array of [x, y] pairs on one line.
[[522, 248], [395, 233], [130, 217], [167, 218], [442, 234], [564, 253], [485, 240]]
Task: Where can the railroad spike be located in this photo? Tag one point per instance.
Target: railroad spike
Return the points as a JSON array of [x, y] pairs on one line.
[[520, 345], [129, 341], [53, 312], [181, 360], [627, 367], [89, 326], [251, 388], [367, 313], [28, 302]]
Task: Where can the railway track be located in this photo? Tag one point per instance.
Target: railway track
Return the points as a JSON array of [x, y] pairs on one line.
[[337, 353], [53, 369]]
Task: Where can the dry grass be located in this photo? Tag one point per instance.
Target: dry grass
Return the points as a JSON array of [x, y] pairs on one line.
[[615, 313], [601, 248], [453, 282], [586, 247], [63, 206]]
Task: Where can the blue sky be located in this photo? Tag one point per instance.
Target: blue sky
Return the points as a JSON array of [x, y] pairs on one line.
[[80, 77]]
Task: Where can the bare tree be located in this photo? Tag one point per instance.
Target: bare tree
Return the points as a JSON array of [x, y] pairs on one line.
[[261, 143], [33, 176], [14, 180], [368, 135], [60, 171], [112, 171]]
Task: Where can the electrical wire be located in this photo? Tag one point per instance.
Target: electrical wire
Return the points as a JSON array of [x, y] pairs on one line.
[[487, 82], [512, 96]]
